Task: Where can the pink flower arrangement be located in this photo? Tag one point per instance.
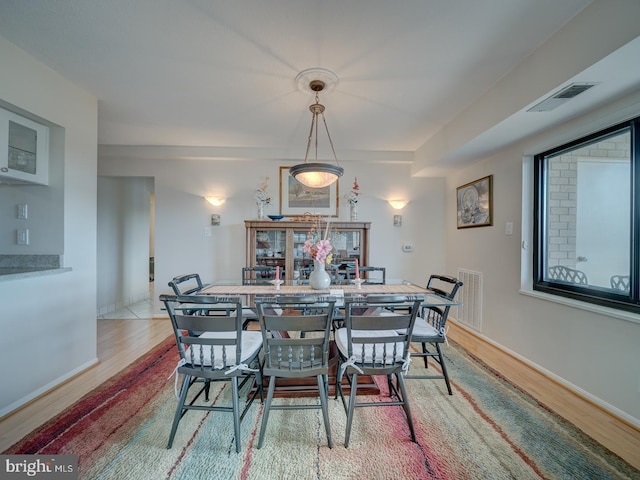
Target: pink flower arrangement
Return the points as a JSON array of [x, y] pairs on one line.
[[319, 249]]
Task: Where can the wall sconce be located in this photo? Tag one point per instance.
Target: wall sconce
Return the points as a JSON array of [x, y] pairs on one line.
[[398, 204], [216, 201]]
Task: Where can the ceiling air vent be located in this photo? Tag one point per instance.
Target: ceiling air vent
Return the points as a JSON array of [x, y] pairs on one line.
[[564, 95]]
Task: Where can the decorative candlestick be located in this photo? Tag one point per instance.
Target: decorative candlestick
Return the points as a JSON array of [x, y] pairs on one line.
[[277, 283], [358, 283]]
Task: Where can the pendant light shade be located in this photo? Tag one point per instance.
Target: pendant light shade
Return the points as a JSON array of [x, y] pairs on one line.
[[317, 174]]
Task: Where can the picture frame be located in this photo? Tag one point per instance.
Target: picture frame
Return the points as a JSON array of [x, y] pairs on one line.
[[297, 199], [475, 203]]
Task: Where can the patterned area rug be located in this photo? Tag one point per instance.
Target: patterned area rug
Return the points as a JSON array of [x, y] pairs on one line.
[[488, 429]]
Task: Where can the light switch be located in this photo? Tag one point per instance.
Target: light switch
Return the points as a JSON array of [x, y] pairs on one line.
[[508, 228], [23, 211], [23, 237]]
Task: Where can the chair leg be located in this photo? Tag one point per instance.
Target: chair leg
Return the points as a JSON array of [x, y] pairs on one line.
[[405, 405], [207, 388], [258, 380], [425, 357], [176, 419], [352, 404], [267, 407], [324, 400], [236, 412], [338, 379], [444, 369]]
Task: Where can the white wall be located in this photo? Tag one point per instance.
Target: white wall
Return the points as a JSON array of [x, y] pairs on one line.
[[597, 353], [182, 215], [50, 321]]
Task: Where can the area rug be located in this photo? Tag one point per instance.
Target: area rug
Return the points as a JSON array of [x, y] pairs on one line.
[[488, 429]]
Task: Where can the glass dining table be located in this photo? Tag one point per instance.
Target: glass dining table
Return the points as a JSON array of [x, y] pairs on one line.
[[306, 387], [405, 288]]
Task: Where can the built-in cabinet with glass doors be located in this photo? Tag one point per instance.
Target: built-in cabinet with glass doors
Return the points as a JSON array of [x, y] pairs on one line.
[[280, 243]]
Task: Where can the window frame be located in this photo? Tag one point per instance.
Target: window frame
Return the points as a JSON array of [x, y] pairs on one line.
[[591, 294]]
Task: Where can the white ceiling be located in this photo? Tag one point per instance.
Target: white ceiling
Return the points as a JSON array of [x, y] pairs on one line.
[[221, 73]]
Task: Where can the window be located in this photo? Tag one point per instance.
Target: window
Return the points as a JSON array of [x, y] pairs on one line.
[[587, 224]]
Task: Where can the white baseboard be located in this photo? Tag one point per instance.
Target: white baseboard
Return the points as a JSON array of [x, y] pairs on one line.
[[49, 386], [566, 384]]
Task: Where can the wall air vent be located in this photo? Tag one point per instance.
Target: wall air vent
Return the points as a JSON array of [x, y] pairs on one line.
[[558, 98]]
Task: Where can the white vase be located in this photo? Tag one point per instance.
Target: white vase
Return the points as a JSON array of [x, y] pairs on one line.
[[260, 211], [319, 279], [354, 212]]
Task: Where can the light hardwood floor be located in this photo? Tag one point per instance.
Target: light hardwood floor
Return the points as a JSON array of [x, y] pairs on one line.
[[616, 434], [122, 341]]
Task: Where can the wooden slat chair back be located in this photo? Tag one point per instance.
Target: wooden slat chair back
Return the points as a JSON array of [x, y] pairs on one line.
[[191, 284], [186, 284], [259, 275], [369, 275]]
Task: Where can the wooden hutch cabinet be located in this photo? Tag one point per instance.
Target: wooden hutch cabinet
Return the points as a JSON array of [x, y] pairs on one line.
[[279, 243]]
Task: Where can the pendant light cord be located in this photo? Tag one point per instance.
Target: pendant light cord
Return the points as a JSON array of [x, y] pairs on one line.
[[314, 123]]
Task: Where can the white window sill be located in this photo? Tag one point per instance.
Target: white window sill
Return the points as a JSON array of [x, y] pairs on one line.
[[590, 307]]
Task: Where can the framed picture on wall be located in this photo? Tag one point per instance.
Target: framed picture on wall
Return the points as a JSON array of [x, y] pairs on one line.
[[297, 199], [475, 203]]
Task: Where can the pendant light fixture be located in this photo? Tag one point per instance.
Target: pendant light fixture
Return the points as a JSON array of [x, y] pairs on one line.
[[316, 174]]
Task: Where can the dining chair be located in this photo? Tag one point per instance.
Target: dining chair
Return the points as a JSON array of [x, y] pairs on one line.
[[369, 275], [430, 328], [186, 284], [289, 354], [222, 352], [259, 275], [191, 284], [339, 275], [369, 344]]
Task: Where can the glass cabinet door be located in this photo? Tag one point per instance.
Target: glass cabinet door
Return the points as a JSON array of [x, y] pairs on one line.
[[271, 247], [346, 250], [346, 246], [302, 262], [271, 244]]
